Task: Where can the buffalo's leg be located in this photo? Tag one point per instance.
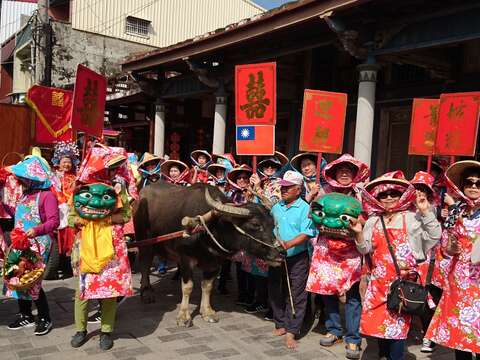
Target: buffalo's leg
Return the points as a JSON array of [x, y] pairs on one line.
[[208, 314], [186, 273], [145, 258]]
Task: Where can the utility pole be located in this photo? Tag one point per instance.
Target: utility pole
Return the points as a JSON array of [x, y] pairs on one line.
[[44, 45]]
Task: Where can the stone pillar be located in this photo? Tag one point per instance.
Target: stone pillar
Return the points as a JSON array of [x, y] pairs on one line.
[[159, 132], [219, 123], [365, 112]]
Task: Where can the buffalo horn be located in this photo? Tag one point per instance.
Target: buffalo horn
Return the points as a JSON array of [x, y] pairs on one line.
[[224, 208]]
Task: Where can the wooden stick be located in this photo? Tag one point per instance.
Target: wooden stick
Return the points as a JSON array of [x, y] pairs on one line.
[[254, 164], [429, 164], [319, 168]]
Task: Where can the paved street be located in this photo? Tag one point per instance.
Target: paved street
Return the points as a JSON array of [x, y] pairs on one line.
[[150, 332]]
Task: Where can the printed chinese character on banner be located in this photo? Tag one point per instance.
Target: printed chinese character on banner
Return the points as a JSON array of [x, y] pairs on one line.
[[457, 124], [53, 112], [423, 128], [323, 121], [255, 94], [89, 101]]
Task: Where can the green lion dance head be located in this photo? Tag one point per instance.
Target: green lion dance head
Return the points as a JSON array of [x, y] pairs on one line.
[[94, 201], [332, 213]]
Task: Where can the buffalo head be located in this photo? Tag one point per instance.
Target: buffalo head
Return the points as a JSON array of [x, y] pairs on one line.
[[247, 227]]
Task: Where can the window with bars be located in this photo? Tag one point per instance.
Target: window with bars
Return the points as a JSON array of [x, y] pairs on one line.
[[137, 26]]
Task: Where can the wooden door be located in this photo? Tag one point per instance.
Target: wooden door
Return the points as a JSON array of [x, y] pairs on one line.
[[394, 132]]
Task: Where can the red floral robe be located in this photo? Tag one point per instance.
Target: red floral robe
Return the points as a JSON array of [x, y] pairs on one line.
[[456, 323], [377, 320], [333, 272], [114, 280]]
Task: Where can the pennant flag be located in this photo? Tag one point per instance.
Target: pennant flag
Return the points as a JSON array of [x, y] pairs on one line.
[[255, 140], [53, 111]]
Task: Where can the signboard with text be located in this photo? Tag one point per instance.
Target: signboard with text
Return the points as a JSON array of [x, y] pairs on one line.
[[423, 128], [255, 94], [89, 102], [323, 121], [457, 124]]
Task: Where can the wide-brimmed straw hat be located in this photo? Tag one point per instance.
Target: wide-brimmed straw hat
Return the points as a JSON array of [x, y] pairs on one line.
[[394, 178], [456, 170], [166, 165], [196, 153], [212, 168], [147, 158], [297, 159], [278, 159], [233, 174]]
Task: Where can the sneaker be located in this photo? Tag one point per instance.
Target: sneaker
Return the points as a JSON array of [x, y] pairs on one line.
[[43, 327], [269, 315], [427, 346], [243, 302], [22, 321], [95, 318], [352, 351], [329, 339], [78, 339], [106, 341], [255, 308]]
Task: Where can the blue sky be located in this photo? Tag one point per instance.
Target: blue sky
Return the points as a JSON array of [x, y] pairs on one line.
[[270, 4]]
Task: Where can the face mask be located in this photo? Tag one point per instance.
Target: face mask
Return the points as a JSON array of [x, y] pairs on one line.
[[95, 201]]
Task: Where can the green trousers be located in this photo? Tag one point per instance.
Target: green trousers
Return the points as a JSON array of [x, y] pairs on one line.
[[108, 309]]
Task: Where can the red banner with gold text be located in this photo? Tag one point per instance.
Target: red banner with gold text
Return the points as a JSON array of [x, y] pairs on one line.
[[53, 112], [256, 94], [89, 101], [323, 121], [457, 124], [423, 128]]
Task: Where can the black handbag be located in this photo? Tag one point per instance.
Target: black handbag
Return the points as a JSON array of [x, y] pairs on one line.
[[405, 296]]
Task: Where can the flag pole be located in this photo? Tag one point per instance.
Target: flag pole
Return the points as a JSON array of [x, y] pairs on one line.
[[319, 166], [452, 159], [429, 164], [254, 163]]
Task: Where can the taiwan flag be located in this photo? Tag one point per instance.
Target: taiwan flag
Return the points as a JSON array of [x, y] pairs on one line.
[[255, 140]]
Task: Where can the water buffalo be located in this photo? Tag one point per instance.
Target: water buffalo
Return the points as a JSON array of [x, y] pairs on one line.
[[160, 210]]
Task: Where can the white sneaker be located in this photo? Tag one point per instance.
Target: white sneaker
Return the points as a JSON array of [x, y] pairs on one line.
[[427, 346]]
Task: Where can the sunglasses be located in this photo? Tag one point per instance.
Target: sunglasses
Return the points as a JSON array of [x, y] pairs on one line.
[[471, 183], [390, 194], [243, 178]]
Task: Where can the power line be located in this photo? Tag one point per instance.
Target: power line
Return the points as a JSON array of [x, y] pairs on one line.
[[121, 17]]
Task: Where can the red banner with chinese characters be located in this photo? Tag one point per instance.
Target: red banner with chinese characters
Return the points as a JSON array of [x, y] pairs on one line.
[[89, 101], [457, 124], [53, 112], [423, 128], [323, 121], [256, 94]]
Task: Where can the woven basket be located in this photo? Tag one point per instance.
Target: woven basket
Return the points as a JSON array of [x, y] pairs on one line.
[[28, 279], [20, 156]]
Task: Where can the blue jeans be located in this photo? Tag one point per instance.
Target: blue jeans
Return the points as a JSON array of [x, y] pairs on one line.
[[391, 349], [353, 310]]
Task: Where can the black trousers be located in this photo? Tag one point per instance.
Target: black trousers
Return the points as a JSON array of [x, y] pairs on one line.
[[246, 284], [261, 289], [464, 355], [298, 266], [25, 306]]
